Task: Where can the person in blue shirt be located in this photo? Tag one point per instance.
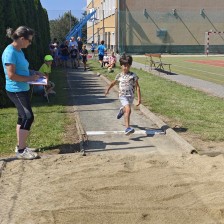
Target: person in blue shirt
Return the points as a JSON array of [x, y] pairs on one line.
[[101, 51], [17, 74], [93, 49]]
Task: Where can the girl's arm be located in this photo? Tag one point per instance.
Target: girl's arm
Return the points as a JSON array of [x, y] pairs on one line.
[[110, 86], [138, 93]]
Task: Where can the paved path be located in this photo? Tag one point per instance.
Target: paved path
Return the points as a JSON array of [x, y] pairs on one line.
[[97, 115], [208, 87]]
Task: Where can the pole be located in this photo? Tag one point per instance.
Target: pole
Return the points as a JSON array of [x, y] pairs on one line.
[[118, 25], [93, 20], [70, 20], [103, 27]]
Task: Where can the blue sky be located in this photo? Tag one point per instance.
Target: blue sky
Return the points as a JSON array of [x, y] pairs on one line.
[[56, 8]]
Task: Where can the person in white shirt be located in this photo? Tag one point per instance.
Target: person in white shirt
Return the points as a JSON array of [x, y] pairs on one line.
[[73, 42]]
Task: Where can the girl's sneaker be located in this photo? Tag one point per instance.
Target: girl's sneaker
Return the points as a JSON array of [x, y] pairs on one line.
[[27, 154], [129, 131], [31, 149], [120, 113]]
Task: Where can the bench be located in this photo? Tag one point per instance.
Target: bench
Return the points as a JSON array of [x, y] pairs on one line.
[[155, 60]]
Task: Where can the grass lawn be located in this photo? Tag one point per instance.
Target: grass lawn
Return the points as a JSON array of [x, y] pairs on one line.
[[201, 115], [51, 119], [185, 65]]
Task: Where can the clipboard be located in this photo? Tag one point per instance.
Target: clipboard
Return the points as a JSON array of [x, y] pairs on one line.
[[41, 81]]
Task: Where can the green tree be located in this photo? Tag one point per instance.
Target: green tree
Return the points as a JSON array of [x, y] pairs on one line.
[[2, 28], [60, 27], [21, 12]]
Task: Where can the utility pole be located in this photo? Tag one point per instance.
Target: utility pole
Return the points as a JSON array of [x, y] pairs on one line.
[[93, 20], [70, 20]]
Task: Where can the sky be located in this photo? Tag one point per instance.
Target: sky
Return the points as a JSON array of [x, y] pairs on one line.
[[56, 8]]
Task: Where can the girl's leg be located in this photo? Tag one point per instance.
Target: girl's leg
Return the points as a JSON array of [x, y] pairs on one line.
[[127, 114]]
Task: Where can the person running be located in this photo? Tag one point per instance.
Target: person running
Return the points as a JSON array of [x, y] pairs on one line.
[[17, 74], [128, 83]]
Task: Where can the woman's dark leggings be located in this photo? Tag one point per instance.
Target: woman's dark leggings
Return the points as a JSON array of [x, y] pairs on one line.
[[23, 105]]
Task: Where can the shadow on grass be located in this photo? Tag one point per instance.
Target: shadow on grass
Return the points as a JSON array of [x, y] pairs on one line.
[[179, 129], [165, 72]]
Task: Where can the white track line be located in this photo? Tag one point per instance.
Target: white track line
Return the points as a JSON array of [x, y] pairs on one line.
[[140, 132]]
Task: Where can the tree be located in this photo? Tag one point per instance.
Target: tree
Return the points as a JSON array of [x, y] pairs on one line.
[[60, 27]]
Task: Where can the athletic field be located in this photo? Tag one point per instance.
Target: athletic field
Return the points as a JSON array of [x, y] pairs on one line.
[[209, 68]]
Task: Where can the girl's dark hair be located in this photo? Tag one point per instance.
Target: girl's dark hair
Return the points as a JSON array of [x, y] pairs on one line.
[[126, 59], [21, 31]]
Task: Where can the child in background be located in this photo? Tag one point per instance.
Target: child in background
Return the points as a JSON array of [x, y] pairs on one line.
[[93, 49], [84, 54], [101, 51], [112, 62], [105, 60], [46, 70], [74, 56], [128, 82]]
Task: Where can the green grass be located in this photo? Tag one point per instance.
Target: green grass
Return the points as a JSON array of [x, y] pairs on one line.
[[200, 114], [182, 65], [50, 119]]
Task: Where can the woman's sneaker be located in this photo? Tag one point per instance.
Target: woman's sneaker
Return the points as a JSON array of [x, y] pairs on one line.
[[31, 149], [27, 154], [129, 131], [120, 113]]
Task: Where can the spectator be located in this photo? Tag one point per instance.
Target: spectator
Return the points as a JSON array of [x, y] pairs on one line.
[[17, 74], [93, 49], [80, 43], [74, 56], [84, 54], [101, 52], [73, 42], [64, 53], [46, 70], [112, 62]]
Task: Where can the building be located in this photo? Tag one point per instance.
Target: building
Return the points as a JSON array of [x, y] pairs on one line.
[[164, 26]]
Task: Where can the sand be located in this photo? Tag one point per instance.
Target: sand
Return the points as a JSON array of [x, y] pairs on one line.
[[113, 188]]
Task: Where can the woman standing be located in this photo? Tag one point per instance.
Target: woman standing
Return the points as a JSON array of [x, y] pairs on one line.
[[17, 74]]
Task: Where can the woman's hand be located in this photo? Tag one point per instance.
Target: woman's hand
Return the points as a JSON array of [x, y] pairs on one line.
[[34, 77]]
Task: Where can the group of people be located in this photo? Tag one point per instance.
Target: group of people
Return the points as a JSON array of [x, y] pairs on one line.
[[104, 59], [73, 50], [18, 74]]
